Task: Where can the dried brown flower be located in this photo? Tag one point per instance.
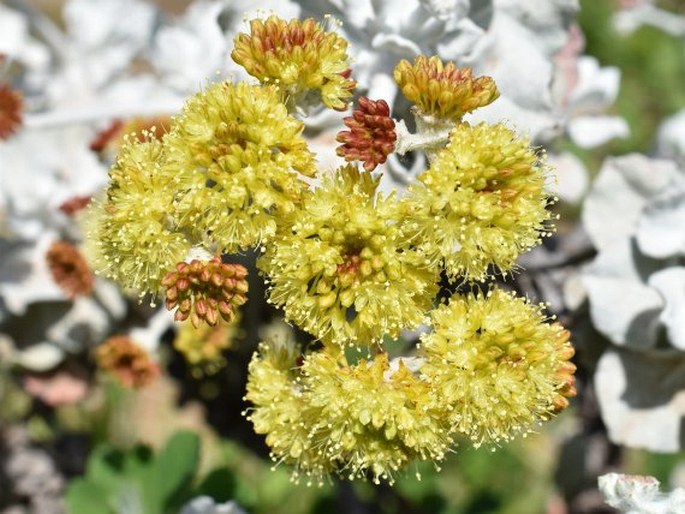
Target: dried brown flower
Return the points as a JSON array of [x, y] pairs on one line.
[[69, 269], [11, 108], [127, 361]]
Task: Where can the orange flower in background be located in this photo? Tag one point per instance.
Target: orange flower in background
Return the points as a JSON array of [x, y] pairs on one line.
[[111, 139], [11, 108], [127, 362], [69, 269]]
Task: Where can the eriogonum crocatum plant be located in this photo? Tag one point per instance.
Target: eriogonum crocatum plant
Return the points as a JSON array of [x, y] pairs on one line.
[[350, 265]]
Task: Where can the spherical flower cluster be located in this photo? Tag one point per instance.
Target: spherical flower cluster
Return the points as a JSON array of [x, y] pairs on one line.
[[127, 362], [69, 269], [11, 108], [205, 291], [299, 57], [236, 154], [351, 419], [443, 90], [371, 137], [134, 237], [497, 364], [340, 268], [482, 202]]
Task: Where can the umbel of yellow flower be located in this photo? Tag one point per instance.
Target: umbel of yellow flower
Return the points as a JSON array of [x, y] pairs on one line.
[[300, 58], [339, 266], [237, 155], [482, 202], [497, 364], [133, 238], [443, 90], [331, 416]]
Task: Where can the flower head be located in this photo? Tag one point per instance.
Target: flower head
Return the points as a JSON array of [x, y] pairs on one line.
[[366, 417], [237, 155], [371, 137], [69, 269], [482, 202], [299, 57], [11, 107], [340, 268], [205, 291], [497, 364], [127, 361], [443, 90], [134, 238]]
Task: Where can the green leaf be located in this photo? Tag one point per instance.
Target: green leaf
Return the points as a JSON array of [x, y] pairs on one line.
[[85, 497], [174, 470]]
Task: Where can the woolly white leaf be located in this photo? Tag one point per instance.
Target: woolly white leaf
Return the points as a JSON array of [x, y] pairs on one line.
[[670, 283], [642, 398], [622, 306], [620, 192]]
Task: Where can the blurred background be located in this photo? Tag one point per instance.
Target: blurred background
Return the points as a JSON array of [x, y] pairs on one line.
[[599, 84]]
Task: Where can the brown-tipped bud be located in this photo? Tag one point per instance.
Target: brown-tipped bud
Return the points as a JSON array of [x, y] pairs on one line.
[[69, 269], [443, 90], [206, 290], [371, 137]]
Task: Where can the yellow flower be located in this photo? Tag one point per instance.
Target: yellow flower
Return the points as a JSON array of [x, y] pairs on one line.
[[482, 202], [237, 156], [368, 417], [281, 412], [299, 57], [340, 269], [496, 363], [132, 235], [443, 90]]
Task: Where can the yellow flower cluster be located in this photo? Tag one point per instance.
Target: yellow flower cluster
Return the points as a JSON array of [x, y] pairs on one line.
[[490, 369], [299, 57], [443, 90], [340, 267], [347, 264], [331, 416], [482, 202]]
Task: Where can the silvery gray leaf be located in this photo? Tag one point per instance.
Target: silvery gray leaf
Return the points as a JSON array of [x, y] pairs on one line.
[[670, 283], [620, 192], [661, 229], [642, 398], [623, 306]]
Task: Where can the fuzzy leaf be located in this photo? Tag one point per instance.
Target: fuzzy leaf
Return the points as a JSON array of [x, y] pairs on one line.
[[671, 285], [620, 192], [623, 306], [660, 231], [642, 398]]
